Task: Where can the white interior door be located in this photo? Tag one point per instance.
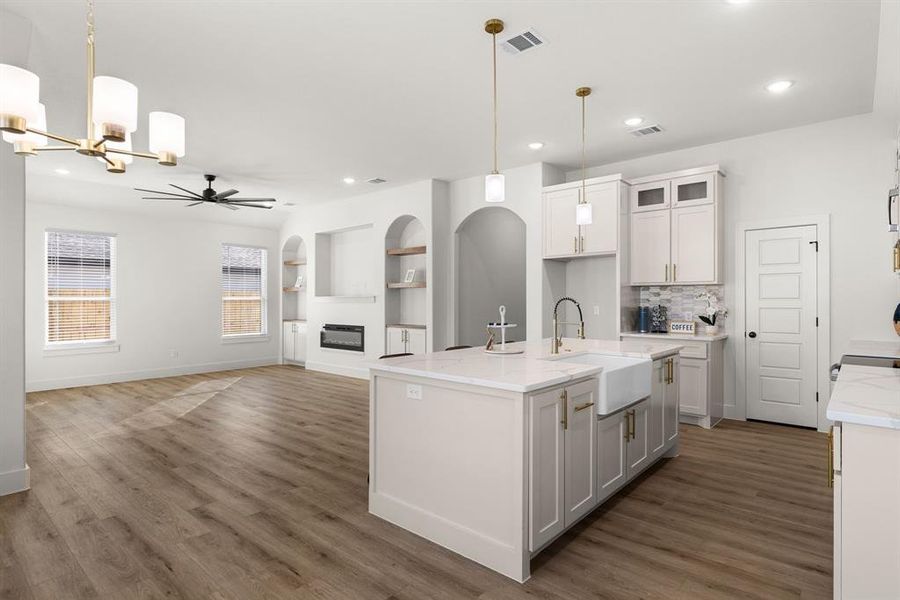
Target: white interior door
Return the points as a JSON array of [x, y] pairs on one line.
[[781, 337]]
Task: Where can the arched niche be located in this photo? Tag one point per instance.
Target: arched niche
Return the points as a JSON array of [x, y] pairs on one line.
[[489, 270], [294, 282], [405, 251]]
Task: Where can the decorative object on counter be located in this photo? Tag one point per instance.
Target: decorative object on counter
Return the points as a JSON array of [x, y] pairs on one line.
[[584, 211], [502, 326], [644, 319], [659, 317], [713, 312], [556, 343], [897, 319], [495, 183], [410, 276], [689, 327]]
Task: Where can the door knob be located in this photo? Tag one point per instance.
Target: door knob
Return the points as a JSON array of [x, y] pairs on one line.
[[752, 334]]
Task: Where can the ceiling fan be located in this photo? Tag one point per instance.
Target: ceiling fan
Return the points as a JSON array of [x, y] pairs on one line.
[[208, 195]]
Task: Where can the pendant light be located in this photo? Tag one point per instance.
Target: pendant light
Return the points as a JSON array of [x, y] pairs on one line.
[[494, 184], [584, 211]]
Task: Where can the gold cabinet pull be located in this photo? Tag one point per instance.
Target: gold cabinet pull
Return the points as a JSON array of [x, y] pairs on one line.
[[671, 370], [564, 396], [576, 244], [579, 407], [674, 272], [631, 423], [581, 244], [667, 272], [831, 457]]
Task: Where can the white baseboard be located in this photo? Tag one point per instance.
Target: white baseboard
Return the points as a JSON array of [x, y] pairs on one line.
[[15, 481], [103, 378], [357, 372]]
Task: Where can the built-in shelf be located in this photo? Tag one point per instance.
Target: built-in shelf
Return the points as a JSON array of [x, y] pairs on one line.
[[291, 289], [402, 285], [406, 251], [294, 263], [405, 326], [346, 299]]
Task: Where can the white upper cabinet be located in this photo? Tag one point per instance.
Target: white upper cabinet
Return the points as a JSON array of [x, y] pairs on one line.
[[650, 196], [693, 190], [561, 235], [602, 235], [650, 247], [694, 244]]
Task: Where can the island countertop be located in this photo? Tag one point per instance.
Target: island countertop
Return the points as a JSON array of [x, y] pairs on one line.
[[531, 370], [866, 396]]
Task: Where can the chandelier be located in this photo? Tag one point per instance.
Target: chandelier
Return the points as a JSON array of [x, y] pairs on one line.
[[111, 117]]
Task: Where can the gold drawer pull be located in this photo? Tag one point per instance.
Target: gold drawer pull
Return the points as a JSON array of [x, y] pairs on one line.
[[583, 406], [831, 457]]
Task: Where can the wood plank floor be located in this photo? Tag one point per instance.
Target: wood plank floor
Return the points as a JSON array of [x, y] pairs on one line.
[[252, 484]]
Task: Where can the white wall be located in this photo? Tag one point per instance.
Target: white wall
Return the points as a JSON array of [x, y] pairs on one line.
[[491, 261], [14, 475], [168, 298], [842, 168]]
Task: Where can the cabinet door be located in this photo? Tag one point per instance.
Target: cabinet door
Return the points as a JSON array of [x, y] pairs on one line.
[[415, 341], [650, 196], [395, 341], [560, 230], [580, 451], [611, 469], [287, 340], [637, 451], [650, 247], [545, 461], [300, 342], [693, 190], [602, 235], [691, 382], [694, 244], [658, 407], [672, 402]]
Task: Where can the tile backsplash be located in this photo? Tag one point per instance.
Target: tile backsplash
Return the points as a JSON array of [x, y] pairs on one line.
[[681, 300]]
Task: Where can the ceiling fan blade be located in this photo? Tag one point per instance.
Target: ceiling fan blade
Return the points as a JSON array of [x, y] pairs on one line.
[[193, 204], [228, 206], [167, 198], [247, 205], [225, 194], [164, 192], [178, 187], [252, 200]]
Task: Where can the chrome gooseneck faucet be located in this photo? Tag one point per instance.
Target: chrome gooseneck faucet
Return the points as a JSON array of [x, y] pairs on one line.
[[557, 339]]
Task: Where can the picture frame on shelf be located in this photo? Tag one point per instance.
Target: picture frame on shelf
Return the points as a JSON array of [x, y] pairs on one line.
[[410, 276]]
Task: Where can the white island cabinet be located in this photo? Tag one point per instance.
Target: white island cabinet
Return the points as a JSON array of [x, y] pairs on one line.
[[494, 456]]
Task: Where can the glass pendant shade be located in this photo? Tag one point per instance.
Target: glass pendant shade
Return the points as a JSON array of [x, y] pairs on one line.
[[37, 119], [19, 91], [584, 214], [494, 188], [126, 145], [166, 133], [115, 102]]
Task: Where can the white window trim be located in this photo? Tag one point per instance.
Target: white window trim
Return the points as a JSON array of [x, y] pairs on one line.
[[263, 335], [87, 346]]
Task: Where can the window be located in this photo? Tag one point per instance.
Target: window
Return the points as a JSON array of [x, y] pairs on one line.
[[243, 290], [81, 288]]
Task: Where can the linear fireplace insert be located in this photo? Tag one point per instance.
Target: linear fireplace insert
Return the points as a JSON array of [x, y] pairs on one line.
[[343, 337]]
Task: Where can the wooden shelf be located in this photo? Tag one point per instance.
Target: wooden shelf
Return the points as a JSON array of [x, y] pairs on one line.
[[294, 263], [290, 289], [403, 285], [406, 251]]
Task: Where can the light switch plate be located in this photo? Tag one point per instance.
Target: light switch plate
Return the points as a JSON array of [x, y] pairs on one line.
[[413, 392]]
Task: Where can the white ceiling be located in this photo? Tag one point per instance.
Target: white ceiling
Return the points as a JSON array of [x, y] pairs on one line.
[[287, 98]]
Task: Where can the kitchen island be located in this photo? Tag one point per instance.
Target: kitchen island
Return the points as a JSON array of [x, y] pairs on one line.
[[495, 456]]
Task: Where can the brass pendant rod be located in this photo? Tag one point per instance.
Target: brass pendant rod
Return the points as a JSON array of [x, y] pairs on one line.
[[51, 148], [52, 136], [583, 143], [90, 71], [129, 153], [494, 46]]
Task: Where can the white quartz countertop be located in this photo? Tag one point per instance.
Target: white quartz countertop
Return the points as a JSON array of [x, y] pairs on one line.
[[866, 396], [524, 372], [699, 337]]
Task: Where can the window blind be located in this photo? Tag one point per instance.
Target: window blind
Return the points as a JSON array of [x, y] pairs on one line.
[[81, 290], [243, 290]]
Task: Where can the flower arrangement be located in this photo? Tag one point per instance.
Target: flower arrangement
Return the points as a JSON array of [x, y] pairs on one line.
[[714, 312]]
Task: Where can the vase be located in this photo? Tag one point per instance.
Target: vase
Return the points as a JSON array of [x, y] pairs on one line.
[[711, 329]]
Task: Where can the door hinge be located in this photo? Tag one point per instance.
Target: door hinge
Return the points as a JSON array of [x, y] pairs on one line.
[[817, 321], [816, 242], [817, 397]]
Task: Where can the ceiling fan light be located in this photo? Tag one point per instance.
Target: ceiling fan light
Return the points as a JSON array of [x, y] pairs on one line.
[[494, 188], [19, 95], [115, 103], [166, 133], [37, 119], [584, 214]]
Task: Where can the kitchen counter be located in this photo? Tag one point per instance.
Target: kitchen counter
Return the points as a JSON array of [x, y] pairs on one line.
[[874, 348], [534, 369], [866, 396], [699, 337]]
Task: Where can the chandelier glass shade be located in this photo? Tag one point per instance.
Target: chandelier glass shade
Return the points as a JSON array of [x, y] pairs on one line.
[[112, 116]]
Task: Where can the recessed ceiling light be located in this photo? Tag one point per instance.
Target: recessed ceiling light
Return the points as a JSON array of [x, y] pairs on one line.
[[536, 145], [61, 171], [634, 121], [349, 180], [777, 87]]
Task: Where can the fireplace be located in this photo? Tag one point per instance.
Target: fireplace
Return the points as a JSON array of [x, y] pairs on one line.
[[343, 337]]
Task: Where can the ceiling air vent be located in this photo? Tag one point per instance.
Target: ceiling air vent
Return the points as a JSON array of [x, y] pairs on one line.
[[523, 41], [376, 180], [648, 130]]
